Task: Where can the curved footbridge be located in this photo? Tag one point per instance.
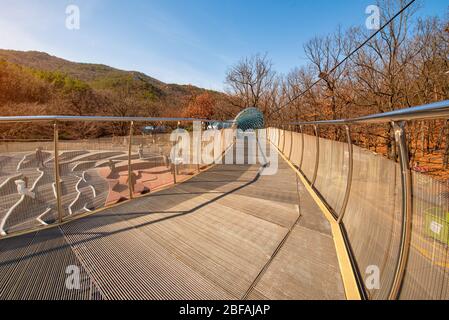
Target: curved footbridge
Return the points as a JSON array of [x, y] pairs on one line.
[[227, 233]]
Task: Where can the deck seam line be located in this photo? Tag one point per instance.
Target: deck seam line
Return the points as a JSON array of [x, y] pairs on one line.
[[83, 264], [273, 256], [276, 251], [347, 272]]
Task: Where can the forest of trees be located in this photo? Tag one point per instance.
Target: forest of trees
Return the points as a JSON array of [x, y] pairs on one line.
[[405, 65], [34, 83]]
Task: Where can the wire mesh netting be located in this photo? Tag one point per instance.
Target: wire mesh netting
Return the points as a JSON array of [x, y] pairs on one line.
[[96, 173], [92, 172], [427, 273], [27, 199], [373, 218], [274, 136], [288, 143], [296, 152], [151, 166], [282, 140], [309, 159], [332, 175]]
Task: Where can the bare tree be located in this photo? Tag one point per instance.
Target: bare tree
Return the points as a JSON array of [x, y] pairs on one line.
[[405, 64], [325, 54], [306, 108], [251, 82]]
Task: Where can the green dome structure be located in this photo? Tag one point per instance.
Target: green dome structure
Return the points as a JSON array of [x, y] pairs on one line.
[[250, 118]]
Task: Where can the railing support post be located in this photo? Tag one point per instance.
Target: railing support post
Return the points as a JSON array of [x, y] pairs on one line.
[[199, 150], [130, 175], [406, 227], [291, 143], [302, 146], [350, 173], [317, 157], [279, 137], [57, 172], [174, 166], [223, 144], [283, 142]]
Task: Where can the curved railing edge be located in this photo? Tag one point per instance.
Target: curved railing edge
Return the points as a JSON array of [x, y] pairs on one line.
[[397, 119], [437, 110]]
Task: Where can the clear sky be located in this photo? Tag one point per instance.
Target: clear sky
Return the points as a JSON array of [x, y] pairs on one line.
[[180, 41]]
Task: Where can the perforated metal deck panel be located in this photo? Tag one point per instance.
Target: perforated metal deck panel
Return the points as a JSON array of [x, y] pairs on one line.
[[228, 233], [34, 267]]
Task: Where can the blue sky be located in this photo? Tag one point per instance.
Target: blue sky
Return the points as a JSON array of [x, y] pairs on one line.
[[180, 41]]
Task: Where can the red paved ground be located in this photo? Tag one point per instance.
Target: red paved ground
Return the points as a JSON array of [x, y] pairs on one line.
[[148, 180]]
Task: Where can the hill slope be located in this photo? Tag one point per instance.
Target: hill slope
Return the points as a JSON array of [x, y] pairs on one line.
[[36, 83], [57, 79]]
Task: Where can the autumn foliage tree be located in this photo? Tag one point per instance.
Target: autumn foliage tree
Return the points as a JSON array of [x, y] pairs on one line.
[[201, 107]]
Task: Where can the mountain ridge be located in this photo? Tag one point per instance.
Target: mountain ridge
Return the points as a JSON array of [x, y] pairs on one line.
[[37, 83], [54, 85], [88, 72]]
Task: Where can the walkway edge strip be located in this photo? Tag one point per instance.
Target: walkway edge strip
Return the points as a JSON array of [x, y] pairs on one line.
[[347, 273]]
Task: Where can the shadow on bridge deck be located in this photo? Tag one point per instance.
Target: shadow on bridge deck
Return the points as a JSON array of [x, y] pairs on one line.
[[228, 233]]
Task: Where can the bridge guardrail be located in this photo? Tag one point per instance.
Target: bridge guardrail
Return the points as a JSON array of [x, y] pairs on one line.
[[47, 182], [382, 205]]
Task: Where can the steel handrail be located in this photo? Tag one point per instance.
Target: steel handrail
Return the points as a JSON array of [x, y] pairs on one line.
[[437, 110], [44, 118], [430, 111]]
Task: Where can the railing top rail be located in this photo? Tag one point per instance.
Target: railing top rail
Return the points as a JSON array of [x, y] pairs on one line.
[[436, 110], [45, 118]]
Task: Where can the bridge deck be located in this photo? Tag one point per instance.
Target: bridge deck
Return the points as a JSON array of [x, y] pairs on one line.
[[228, 233]]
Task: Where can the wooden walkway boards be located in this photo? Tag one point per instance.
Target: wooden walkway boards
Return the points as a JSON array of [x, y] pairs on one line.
[[228, 233]]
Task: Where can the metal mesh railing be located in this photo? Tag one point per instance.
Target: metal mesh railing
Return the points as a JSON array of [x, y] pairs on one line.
[[26, 180], [394, 212], [427, 275], [133, 157], [332, 174], [389, 194], [372, 217]]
